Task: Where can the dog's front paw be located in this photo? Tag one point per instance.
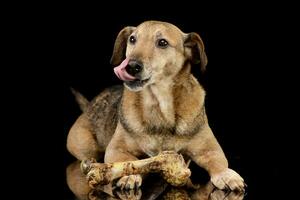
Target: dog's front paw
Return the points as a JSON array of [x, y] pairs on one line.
[[130, 182], [228, 179]]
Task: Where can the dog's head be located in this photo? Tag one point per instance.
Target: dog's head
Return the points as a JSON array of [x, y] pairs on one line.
[[154, 51]]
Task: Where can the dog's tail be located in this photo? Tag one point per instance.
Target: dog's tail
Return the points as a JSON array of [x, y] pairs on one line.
[[81, 100]]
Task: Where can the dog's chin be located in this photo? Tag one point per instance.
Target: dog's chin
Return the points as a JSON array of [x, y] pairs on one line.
[[136, 85]]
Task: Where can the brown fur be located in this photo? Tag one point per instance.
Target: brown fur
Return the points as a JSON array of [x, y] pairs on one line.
[[166, 113]]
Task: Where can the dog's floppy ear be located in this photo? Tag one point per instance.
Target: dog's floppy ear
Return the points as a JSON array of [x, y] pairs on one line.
[[120, 45], [194, 49]]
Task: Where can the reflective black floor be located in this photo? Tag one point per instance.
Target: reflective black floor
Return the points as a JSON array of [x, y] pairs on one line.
[[153, 188]]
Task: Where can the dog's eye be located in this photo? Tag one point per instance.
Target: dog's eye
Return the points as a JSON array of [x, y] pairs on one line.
[[162, 43], [132, 39]]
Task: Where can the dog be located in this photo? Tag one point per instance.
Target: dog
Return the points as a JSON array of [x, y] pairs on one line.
[[159, 107]]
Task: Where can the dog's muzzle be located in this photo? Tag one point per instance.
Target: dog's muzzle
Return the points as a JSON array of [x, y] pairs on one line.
[[130, 71], [121, 72], [134, 67]]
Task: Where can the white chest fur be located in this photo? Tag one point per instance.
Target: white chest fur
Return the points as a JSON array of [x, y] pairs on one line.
[[158, 104]]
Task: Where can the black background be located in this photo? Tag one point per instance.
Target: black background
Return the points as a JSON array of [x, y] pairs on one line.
[[245, 93]]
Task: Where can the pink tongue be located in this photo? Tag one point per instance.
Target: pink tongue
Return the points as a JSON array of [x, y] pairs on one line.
[[121, 73]]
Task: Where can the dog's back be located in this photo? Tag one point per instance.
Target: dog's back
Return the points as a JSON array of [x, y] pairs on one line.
[[103, 113], [96, 125]]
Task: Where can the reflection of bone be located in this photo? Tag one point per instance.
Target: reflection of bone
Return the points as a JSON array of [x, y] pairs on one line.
[[170, 164]]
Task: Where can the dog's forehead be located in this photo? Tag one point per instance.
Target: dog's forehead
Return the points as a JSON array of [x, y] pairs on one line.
[[159, 29]]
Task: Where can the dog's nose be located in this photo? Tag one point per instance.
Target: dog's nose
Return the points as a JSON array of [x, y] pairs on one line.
[[134, 67]]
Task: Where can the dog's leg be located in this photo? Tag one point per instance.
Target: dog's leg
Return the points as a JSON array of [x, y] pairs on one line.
[[123, 148], [81, 142], [207, 153]]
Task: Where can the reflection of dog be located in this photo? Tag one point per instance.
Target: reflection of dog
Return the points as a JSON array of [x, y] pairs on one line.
[[160, 108]]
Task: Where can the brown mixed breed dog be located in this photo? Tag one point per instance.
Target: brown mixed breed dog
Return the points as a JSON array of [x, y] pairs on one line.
[[160, 108]]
